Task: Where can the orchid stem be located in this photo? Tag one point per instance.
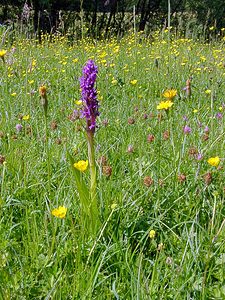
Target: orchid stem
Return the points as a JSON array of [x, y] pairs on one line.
[[93, 174]]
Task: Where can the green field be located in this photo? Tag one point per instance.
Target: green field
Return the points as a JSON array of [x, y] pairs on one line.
[[160, 199]]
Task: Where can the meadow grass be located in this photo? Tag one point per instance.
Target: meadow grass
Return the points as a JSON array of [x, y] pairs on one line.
[[152, 174]]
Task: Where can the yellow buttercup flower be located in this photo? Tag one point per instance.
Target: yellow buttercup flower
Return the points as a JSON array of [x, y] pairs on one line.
[[152, 234], [2, 53], [81, 165], [208, 92], [59, 212], [114, 81], [164, 105], [133, 82], [78, 102], [214, 161], [26, 117], [170, 94]]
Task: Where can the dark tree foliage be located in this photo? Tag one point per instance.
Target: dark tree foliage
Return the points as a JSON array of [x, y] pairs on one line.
[[209, 11], [46, 12]]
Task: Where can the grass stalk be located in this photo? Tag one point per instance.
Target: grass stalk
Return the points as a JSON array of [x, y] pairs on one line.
[[3, 179], [47, 153]]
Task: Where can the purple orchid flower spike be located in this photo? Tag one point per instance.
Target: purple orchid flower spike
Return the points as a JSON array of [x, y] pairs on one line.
[[89, 95]]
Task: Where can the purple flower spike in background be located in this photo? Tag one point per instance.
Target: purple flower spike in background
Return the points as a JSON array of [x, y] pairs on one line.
[[187, 129], [89, 95], [219, 115]]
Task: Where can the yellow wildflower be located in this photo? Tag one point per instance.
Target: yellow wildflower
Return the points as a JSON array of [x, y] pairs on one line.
[[13, 94], [133, 82], [59, 212], [170, 94], [2, 53], [26, 117], [214, 161], [78, 102], [203, 58], [152, 234], [164, 105], [114, 81], [81, 165], [208, 92], [195, 111]]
